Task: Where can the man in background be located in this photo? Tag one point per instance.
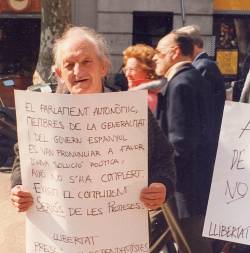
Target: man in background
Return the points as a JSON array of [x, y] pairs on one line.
[[216, 86], [183, 116]]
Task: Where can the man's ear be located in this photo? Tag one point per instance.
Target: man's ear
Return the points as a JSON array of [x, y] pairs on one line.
[[58, 72], [176, 53], [104, 67]]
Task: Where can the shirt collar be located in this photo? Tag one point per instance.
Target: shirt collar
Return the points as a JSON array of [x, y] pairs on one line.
[[198, 55], [170, 74], [174, 69]]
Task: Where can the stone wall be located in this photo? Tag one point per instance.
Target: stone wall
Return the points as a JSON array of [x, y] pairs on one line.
[[114, 18]]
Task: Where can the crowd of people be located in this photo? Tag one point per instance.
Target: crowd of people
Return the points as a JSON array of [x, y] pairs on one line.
[[186, 96]]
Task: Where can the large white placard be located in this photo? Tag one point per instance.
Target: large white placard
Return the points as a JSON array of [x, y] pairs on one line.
[[228, 212], [84, 158]]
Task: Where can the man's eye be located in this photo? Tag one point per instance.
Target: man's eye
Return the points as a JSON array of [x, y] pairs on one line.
[[69, 66], [86, 61]]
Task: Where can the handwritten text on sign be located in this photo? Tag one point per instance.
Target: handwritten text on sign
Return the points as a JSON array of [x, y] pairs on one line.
[[84, 158], [228, 212]]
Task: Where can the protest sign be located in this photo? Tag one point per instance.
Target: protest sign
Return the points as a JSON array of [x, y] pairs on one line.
[[228, 212], [84, 159]]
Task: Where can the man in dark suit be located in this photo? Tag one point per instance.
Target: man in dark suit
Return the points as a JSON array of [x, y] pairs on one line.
[[182, 114], [210, 71]]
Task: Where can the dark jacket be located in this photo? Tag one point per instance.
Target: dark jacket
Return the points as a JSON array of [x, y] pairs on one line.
[[183, 116], [160, 159], [211, 73]]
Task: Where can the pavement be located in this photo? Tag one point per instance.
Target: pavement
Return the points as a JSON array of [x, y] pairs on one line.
[[12, 225]]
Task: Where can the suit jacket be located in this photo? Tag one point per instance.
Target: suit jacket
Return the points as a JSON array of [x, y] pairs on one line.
[[183, 116], [216, 87]]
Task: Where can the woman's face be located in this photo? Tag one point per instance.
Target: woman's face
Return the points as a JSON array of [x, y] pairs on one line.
[[135, 73]]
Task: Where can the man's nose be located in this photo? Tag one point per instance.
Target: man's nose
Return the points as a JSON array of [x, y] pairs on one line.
[[77, 69]]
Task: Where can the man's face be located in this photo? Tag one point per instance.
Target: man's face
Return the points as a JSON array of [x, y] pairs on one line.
[[165, 55], [81, 68]]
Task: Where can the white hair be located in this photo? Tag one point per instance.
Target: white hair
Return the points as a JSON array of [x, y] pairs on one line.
[[82, 33]]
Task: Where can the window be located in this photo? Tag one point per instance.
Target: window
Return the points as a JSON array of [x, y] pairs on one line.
[[19, 45], [149, 27], [232, 45], [19, 49]]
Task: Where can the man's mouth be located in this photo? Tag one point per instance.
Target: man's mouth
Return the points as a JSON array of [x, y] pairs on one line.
[[81, 80]]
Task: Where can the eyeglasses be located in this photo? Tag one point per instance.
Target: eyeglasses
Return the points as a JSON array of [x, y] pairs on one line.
[[126, 69]]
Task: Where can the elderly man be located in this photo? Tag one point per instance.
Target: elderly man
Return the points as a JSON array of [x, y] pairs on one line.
[[81, 59], [182, 116]]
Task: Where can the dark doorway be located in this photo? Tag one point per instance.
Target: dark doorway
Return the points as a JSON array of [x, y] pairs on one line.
[[19, 40], [19, 49], [149, 27]]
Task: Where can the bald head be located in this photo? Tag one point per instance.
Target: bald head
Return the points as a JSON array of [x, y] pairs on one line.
[[175, 47], [180, 39]]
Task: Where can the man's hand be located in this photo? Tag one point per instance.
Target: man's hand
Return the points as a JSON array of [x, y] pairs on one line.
[[153, 196], [20, 198]]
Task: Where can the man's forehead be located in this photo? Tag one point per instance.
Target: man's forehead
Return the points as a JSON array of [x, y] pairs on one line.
[[73, 47], [75, 43]]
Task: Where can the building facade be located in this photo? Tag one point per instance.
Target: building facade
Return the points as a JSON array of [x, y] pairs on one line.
[[224, 24], [127, 22], [19, 45], [231, 28]]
